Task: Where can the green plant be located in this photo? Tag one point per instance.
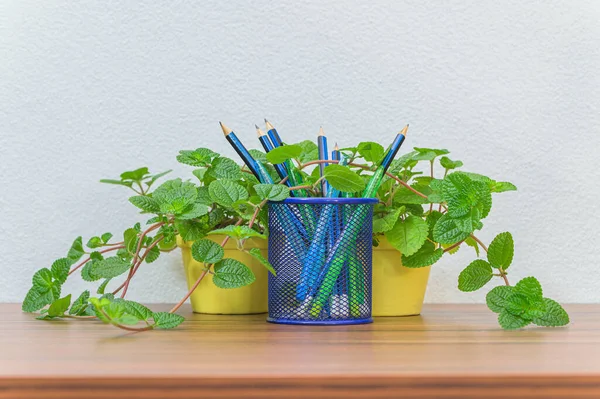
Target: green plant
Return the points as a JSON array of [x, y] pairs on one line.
[[226, 199]]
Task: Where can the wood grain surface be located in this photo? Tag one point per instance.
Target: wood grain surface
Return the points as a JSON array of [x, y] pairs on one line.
[[451, 351]]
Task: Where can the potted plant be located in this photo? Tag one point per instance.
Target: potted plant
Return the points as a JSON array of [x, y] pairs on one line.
[[226, 204]]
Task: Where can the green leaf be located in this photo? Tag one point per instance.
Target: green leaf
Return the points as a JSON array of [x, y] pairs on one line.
[[59, 307], [403, 195], [198, 157], [446, 231], [431, 220], [80, 304], [145, 203], [449, 164], [475, 276], [272, 192], [428, 154], [35, 300], [343, 179], [472, 243], [258, 255], [238, 232], [60, 269], [102, 287], [408, 235], [226, 192], [427, 255], [200, 173], [94, 242], [106, 237], [191, 230], [531, 288], [109, 267], [194, 211], [135, 175], [502, 186], [224, 168], [76, 251], [85, 272], [230, 273], [175, 196], [497, 298], [554, 316], [509, 321], [130, 240], [165, 320], [470, 222], [387, 222], [42, 281], [283, 153], [370, 151], [501, 251], [153, 255], [258, 155], [310, 151], [117, 182], [524, 306], [207, 251], [117, 311], [138, 310], [157, 176]]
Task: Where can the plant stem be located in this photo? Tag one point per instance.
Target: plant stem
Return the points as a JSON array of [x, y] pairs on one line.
[[122, 327], [479, 242], [135, 267], [204, 273], [137, 253], [365, 167], [500, 270], [451, 247], [88, 259]]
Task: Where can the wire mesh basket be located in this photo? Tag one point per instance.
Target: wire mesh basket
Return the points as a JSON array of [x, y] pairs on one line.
[[321, 250]]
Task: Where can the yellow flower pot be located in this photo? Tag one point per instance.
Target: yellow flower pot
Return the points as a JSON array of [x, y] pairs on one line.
[[397, 290], [208, 298]]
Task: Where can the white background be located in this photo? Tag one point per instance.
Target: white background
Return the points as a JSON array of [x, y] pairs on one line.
[[89, 89]]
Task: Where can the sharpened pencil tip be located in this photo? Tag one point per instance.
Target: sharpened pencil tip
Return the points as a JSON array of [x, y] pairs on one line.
[[336, 148], [225, 129], [256, 126], [259, 132], [403, 131], [321, 132], [269, 126]]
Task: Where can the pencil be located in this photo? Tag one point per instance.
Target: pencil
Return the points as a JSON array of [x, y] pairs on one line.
[[266, 144], [373, 185], [335, 259], [322, 145], [240, 149]]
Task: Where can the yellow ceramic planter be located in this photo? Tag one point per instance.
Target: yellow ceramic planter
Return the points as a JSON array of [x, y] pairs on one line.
[[397, 290], [208, 298]]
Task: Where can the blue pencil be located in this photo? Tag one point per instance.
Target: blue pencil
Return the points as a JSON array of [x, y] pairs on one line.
[[323, 156], [266, 144]]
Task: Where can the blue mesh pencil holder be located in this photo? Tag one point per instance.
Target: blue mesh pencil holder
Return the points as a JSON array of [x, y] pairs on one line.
[[321, 250]]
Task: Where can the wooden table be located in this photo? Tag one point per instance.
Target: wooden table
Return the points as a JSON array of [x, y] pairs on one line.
[[451, 351]]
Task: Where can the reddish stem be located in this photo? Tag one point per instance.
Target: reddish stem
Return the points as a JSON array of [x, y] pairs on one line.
[[137, 253], [204, 273], [135, 267], [88, 259]]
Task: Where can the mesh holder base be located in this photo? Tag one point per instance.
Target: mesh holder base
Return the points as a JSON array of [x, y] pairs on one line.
[[321, 250]]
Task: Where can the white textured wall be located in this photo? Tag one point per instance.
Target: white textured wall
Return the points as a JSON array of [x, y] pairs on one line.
[[88, 89]]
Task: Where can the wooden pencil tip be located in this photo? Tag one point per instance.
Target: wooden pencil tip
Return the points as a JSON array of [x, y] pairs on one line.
[[259, 132], [403, 131], [269, 126], [336, 148], [321, 132], [225, 129]]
